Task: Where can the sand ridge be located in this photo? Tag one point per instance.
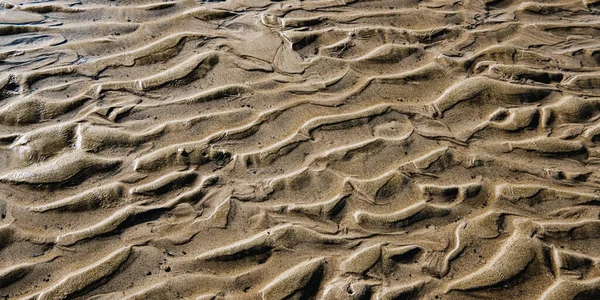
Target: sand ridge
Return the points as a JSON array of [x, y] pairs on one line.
[[299, 149]]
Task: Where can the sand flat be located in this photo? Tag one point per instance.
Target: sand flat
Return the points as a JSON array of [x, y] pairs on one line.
[[300, 149]]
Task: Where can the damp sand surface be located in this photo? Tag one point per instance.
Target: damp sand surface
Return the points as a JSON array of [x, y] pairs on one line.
[[316, 149]]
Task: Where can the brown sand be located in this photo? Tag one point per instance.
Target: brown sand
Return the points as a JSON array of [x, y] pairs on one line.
[[316, 149]]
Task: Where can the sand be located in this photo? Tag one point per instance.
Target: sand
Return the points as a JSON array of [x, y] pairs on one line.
[[315, 149]]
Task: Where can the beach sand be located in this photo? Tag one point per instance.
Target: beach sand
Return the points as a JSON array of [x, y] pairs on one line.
[[316, 149]]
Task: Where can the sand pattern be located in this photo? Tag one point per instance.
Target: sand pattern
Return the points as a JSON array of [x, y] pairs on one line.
[[300, 149]]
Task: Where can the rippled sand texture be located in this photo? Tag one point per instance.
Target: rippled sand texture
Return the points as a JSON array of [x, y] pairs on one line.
[[329, 149]]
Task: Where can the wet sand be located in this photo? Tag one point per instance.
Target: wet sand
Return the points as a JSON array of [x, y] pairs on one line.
[[326, 149]]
